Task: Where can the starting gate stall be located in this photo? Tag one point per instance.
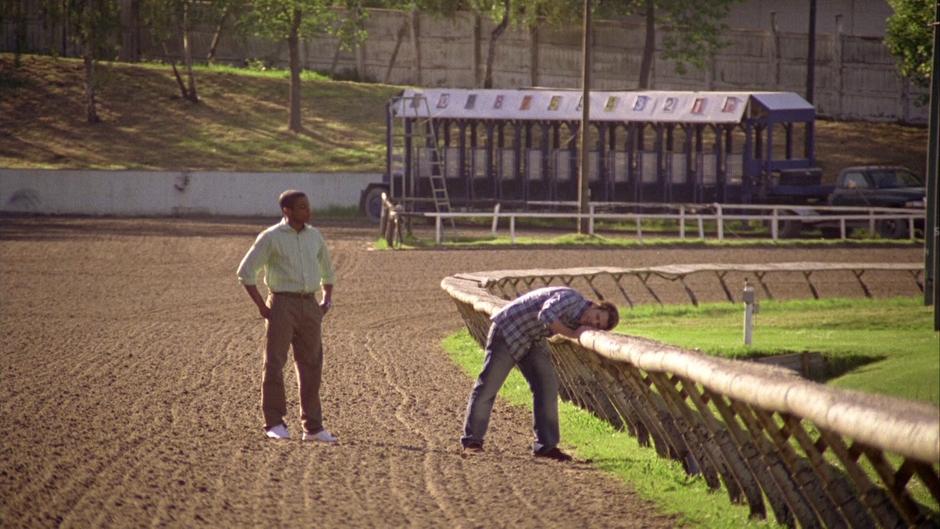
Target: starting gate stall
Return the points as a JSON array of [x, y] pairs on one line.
[[520, 146]]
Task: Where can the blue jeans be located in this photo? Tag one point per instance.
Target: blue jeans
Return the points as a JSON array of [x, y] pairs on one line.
[[536, 367]]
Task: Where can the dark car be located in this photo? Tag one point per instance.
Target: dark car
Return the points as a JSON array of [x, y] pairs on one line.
[[881, 186]]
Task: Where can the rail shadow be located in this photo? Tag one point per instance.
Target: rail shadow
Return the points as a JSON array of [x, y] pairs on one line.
[[32, 227]]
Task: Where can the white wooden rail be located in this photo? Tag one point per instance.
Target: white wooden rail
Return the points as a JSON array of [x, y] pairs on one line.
[[772, 214]]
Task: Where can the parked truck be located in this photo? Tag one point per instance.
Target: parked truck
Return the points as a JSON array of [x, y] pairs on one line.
[[883, 187]]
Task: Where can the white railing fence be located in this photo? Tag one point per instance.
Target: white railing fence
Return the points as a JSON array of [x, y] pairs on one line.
[[845, 217]]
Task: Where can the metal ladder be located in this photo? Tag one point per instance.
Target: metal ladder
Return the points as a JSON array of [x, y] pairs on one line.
[[422, 134]]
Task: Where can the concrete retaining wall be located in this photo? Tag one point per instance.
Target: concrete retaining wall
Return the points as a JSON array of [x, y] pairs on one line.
[[162, 193]]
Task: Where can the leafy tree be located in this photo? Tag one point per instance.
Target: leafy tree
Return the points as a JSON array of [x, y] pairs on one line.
[[15, 11], [175, 19], [909, 37], [694, 27], [224, 11], [293, 19], [92, 24]]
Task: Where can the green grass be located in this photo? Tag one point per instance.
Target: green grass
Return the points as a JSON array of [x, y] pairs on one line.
[[878, 346], [339, 212], [659, 480]]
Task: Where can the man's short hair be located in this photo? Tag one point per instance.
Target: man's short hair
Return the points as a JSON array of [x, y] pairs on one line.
[[613, 317], [289, 197]]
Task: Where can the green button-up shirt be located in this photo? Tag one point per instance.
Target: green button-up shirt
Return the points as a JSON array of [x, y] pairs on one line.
[[292, 261]]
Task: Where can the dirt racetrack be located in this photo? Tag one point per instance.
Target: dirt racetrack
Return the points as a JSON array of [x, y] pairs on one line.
[[130, 373]]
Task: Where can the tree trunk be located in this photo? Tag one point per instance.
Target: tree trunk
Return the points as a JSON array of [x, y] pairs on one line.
[[188, 57], [210, 57], [534, 55], [649, 46], [130, 31], [477, 51], [491, 52], [19, 32], [176, 73], [294, 51], [361, 73], [416, 49], [391, 62], [88, 56]]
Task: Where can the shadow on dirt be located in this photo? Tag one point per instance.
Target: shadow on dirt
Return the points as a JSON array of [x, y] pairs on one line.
[[26, 227]]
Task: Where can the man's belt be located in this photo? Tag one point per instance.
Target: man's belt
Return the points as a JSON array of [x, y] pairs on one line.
[[302, 295]]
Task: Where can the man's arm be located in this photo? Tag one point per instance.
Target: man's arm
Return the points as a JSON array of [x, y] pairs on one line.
[[327, 298], [557, 327], [327, 275], [248, 272], [259, 301], [554, 307]]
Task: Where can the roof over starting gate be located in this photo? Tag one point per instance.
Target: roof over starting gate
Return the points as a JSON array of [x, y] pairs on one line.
[[622, 106]]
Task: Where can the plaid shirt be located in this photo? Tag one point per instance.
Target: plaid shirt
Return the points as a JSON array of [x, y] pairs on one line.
[[525, 321]]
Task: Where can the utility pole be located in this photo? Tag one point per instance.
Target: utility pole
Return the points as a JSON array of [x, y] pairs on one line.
[[811, 54], [932, 222], [584, 154]]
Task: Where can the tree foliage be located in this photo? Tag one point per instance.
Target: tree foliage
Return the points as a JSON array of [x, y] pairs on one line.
[[693, 28], [292, 20], [909, 37], [171, 20], [92, 25]]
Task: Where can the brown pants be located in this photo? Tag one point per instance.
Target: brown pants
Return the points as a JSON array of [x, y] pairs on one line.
[[296, 322]]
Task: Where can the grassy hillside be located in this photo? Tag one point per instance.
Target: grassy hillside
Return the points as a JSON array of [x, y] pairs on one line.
[[241, 123]]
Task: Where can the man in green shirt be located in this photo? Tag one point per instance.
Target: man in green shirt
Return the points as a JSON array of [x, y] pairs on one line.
[[296, 264]]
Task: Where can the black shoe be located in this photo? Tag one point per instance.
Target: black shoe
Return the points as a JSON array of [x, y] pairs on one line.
[[553, 453], [473, 447]]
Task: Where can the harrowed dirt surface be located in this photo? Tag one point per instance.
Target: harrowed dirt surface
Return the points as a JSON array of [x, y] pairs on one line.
[[130, 365]]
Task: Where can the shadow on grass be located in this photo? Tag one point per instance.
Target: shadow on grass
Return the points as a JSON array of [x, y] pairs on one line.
[[813, 365], [838, 366]]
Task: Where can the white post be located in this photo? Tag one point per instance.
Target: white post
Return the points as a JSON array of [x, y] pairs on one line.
[[512, 229], [871, 223], [591, 219], [701, 227], [721, 223], [495, 218], [750, 306], [910, 226], [774, 225], [842, 228], [437, 230], [639, 227], [682, 222]]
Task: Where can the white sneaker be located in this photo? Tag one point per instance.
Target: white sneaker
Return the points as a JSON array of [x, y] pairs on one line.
[[278, 432], [322, 436]]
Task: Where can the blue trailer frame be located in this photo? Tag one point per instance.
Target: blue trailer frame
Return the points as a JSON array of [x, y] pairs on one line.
[[519, 146]]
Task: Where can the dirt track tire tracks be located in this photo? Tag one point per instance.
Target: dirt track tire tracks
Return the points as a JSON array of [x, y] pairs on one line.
[[130, 368]]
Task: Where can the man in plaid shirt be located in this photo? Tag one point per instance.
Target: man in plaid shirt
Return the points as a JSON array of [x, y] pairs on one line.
[[516, 337]]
